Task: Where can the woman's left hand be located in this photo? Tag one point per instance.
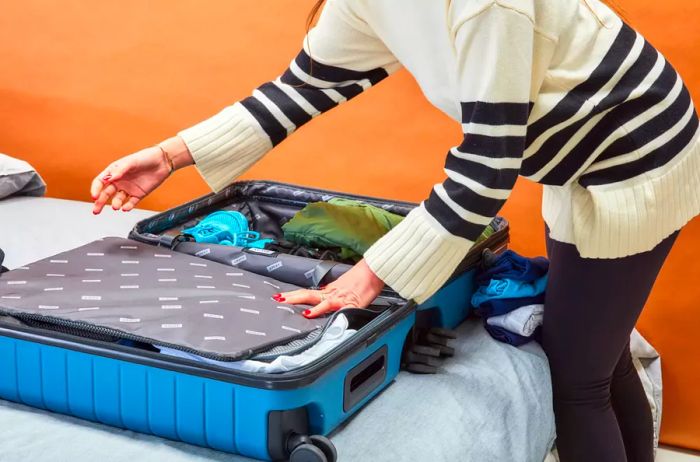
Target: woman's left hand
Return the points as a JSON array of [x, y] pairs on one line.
[[357, 288]]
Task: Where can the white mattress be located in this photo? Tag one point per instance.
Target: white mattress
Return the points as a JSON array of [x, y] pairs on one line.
[[32, 228]]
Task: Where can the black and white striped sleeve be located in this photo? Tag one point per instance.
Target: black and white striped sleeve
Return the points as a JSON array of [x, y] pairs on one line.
[[417, 257], [341, 58]]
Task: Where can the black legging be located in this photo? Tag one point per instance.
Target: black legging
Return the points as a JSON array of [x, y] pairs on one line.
[[601, 411]]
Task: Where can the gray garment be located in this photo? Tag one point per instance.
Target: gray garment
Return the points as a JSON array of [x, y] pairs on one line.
[[159, 296], [647, 362], [17, 177]]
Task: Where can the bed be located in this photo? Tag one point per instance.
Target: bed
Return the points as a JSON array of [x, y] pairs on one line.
[[490, 402]]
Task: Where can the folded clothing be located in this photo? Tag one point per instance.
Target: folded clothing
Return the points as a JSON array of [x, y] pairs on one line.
[[335, 334], [351, 225], [501, 306], [292, 248], [510, 265], [135, 291], [508, 289], [523, 321], [346, 226], [510, 296], [504, 335]]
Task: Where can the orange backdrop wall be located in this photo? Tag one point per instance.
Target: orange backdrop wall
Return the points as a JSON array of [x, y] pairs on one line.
[[82, 83]]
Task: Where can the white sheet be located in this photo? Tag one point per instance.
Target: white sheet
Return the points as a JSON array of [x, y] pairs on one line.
[[32, 228], [336, 334]]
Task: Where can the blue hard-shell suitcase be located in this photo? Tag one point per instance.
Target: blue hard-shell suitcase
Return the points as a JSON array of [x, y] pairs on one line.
[[283, 416]]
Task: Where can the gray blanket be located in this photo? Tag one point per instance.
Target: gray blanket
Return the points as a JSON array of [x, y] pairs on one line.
[[491, 402]]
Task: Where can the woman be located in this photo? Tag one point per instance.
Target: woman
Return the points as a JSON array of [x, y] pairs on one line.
[[559, 91]]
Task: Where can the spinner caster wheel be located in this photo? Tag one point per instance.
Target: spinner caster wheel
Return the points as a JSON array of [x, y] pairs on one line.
[[307, 453]]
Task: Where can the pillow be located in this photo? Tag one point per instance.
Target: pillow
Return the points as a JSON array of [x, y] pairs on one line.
[[17, 177]]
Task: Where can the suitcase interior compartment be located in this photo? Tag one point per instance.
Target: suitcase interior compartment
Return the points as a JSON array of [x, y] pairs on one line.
[[266, 205]]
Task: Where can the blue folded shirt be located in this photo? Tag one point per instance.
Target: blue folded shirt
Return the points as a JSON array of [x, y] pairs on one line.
[[510, 265], [509, 288], [501, 306]]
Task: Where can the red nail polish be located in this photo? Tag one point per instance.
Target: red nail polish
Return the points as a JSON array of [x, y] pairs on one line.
[[281, 299], [276, 295], [306, 312]]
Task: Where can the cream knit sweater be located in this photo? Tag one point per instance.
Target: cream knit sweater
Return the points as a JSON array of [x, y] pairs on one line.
[[558, 91]]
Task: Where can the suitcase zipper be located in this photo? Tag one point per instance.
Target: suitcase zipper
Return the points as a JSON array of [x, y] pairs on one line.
[[79, 326]]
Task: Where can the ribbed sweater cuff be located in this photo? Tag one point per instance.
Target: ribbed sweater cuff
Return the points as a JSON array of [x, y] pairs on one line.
[[417, 257], [226, 145]]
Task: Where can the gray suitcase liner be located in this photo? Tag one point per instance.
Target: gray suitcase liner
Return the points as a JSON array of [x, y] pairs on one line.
[[132, 290]]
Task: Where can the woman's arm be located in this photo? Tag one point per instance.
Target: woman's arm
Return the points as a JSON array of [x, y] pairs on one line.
[[341, 58], [494, 51]]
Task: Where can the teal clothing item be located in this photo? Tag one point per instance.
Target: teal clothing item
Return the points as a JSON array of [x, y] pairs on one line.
[[509, 288], [351, 225], [226, 227]]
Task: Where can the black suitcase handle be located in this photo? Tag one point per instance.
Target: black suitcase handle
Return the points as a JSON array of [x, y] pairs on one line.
[[364, 378]]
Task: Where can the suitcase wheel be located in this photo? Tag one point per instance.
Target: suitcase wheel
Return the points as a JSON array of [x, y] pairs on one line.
[[417, 368], [307, 453], [314, 448], [425, 347], [325, 445], [441, 332]]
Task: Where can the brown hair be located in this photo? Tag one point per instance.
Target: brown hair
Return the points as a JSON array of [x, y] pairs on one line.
[[313, 13], [613, 4]]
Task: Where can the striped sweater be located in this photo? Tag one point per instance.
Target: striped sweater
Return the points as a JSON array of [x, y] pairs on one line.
[[562, 92]]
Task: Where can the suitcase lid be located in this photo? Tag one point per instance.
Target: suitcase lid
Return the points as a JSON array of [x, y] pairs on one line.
[[117, 287]]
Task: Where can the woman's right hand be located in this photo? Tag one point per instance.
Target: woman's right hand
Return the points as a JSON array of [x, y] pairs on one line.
[[129, 179]]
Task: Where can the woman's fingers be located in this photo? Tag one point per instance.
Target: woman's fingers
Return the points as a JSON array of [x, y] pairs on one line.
[[118, 200], [96, 187], [130, 204], [326, 306], [325, 301], [109, 175], [104, 196], [300, 296]]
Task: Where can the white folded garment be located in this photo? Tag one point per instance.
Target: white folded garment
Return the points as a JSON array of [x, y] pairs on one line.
[[522, 321], [334, 335]]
